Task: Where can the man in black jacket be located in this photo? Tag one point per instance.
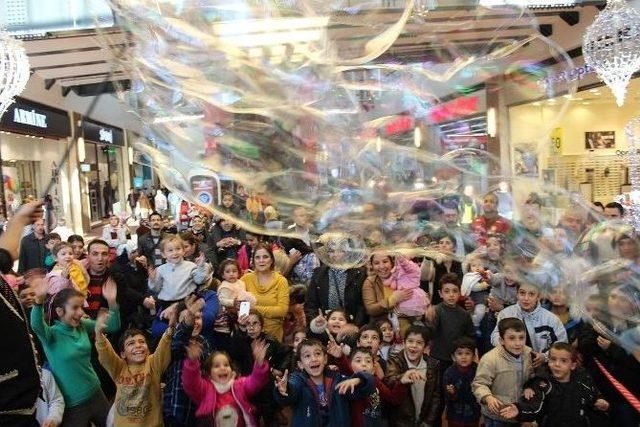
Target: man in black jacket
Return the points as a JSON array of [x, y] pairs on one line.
[[19, 371], [32, 249], [149, 244]]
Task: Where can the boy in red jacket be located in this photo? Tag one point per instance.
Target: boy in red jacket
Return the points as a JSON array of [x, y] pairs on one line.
[[367, 412]]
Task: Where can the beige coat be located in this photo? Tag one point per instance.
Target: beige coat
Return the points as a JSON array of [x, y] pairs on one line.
[[497, 376]]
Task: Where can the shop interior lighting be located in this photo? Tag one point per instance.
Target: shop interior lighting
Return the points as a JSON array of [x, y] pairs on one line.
[[81, 152], [130, 153], [417, 137], [492, 122]]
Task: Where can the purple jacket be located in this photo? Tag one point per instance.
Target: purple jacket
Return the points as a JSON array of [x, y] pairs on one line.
[[204, 394]]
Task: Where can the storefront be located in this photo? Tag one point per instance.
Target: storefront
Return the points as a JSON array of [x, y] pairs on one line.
[[103, 169], [33, 141], [575, 142]]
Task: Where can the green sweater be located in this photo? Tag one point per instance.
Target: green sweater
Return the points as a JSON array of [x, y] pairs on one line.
[[69, 353]]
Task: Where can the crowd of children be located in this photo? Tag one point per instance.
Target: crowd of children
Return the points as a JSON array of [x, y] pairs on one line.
[[226, 341]]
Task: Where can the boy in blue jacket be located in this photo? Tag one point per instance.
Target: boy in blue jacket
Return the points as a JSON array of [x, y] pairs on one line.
[[317, 396]]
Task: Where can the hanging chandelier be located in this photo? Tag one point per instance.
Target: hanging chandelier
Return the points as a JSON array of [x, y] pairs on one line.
[[14, 69], [611, 45]]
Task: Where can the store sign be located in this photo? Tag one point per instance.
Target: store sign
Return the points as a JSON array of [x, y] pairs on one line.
[[30, 118], [101, 133], [577, 73], [455, 109]]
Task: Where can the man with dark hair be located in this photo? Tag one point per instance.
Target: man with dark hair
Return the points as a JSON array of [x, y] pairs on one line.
[[613, 210], [32, 248], [149, 244], [489, 222], [20, 383]]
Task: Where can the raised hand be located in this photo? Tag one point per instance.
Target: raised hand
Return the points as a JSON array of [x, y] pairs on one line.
[[194, 350], [538, 359], [346, 330], [348, 386], [101, 321], [451, 389], [259, 350], [200, 260], [320, 321], [334, 349], [66, 271], [40, 288], [151, 272], [142, 260], [282, 383], [110, 292], [169, 312]]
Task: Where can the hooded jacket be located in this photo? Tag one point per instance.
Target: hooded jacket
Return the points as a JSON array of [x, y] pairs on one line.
[[543, 327], [302, 398], [203, 393]]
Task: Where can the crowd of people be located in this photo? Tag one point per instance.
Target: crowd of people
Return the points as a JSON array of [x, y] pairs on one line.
[[199, 322]]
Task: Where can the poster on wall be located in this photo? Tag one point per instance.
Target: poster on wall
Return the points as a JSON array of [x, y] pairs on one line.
[[526, 160], [598, 140]]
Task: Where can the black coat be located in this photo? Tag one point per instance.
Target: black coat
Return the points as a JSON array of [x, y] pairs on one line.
[[318, 294], [32, 253], [19, 377], [557, 404], [623, 366], [132, 290]]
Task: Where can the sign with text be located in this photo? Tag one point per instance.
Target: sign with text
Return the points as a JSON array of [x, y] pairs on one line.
[[101, 133], [31, 118]]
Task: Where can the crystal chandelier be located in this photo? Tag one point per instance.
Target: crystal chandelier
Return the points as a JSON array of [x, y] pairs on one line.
[[611, 45], [632, 130], [14, 69]]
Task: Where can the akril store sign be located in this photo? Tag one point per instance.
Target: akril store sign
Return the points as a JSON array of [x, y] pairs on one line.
[[30, 118]]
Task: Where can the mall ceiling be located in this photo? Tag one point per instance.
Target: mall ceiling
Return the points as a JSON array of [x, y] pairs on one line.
[[82, 62]]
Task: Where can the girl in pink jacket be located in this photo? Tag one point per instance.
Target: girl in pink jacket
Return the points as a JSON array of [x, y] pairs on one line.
[[406, 275], [223, 399]]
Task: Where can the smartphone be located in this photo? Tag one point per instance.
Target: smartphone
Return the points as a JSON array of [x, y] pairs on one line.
[[245, 306]]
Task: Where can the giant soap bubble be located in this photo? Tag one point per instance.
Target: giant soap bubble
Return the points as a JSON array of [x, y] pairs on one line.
[[351, 110], [379, 126]]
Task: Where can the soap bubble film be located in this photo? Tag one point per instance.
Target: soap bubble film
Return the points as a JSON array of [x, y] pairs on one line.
[[375, 121]]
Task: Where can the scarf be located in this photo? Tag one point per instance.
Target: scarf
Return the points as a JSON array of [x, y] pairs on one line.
[[417, 388], [223, 388], [337, 284]]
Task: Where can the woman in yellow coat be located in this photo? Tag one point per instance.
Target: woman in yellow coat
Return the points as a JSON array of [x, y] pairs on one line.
[[271, 290]]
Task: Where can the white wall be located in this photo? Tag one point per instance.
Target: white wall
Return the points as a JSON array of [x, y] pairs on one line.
[[530, 123]]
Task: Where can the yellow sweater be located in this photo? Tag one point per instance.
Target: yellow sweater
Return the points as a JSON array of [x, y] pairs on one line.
[[272, 301], [139, 396], [78, 277]]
